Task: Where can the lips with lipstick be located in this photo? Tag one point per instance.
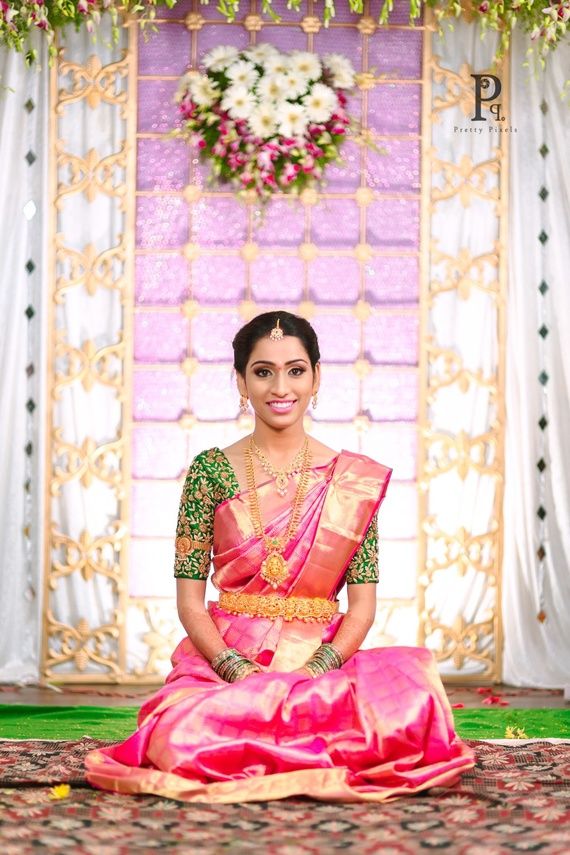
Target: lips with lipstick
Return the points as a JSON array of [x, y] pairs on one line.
[[281, 406]]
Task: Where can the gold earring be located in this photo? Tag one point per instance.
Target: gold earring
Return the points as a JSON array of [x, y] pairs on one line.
[[315, 401], [243, 404]]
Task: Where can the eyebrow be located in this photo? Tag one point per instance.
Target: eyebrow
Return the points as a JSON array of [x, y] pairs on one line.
[[267, 362]]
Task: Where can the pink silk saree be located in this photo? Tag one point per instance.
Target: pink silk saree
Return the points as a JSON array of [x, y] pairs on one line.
[[379, 727]]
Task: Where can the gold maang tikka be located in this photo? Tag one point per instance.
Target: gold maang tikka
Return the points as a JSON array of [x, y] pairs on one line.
[[276, 333]]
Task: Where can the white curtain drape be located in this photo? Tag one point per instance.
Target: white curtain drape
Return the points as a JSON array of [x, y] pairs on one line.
[[23, 125], [535, 653], [463, 320]]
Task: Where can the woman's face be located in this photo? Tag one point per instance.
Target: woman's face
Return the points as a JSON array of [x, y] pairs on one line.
[[279, 381]]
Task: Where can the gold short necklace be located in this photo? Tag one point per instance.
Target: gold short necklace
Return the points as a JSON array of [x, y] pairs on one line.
[[281, 475], [274, 568]]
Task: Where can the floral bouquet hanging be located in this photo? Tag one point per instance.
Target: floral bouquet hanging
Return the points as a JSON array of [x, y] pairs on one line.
[[267, 121], [20, 18]]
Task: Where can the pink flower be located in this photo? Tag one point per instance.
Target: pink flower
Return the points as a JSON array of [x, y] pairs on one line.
[[265, 160], [246, 177], [218, 149], [484, 6], [187, 108], [235, 160], [290, 172], [269, 180], [494, 700], [314, 149], [338, 130], [197, 140], [308, 163]]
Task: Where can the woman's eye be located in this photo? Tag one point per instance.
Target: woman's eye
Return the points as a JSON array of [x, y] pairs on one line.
[[300, 370], [259, 372]]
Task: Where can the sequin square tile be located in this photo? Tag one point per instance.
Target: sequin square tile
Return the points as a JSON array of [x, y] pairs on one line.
[[391, 395], [396, 167], [392, 279], [215, 34], [281, 224], [334, 280], [159, 395], [166, 51], [212, 335], [393, 223], [339, 336], [161, 280], [344, 40], [277, 279], [218, 279], [219, 221], [394, 108], [396, 53], [335, 223], [213, 394], [159, 451], [162, 164], [392, 339], [157, 112], [161, 221], [160, 337], [344, 177]]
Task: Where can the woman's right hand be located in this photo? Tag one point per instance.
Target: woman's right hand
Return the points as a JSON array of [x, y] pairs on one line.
[[253, 669]]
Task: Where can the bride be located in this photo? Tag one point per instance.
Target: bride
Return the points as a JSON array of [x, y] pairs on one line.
[[270, 695]]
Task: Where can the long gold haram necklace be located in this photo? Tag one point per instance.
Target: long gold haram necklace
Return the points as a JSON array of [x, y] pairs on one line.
[[281, 475], [274, 568]]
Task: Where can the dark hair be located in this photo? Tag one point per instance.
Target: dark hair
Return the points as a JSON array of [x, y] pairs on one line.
[[247, 337]]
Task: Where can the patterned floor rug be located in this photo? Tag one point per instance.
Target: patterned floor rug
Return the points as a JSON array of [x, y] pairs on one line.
[[516, 799]]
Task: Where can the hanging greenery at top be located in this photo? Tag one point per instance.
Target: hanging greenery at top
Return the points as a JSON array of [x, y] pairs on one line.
[[545, 21]]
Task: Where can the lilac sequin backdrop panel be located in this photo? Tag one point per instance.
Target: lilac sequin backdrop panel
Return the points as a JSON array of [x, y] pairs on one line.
[[352, 257]]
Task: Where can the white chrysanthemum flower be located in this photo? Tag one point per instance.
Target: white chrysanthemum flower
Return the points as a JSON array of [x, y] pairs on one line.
[[184, 84], [203, 90], [277, 64], [242, 72], [292, 119], [260, 53], [263, 120], [307, 64], [293, 84], [239, 102], [320, 103], [270, 87], [220, 57], [341, 69]]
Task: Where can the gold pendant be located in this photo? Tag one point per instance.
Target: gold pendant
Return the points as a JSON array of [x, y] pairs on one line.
[[282, 483], [274, 569]]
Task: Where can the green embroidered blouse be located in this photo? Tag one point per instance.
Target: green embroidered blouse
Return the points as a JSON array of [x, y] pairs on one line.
[[211, 480]]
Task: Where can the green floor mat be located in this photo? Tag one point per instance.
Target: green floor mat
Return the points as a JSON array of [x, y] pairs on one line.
[[18, 721]]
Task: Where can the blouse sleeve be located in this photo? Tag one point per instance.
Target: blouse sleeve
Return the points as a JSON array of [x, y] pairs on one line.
[[364, 564], [195, 526]]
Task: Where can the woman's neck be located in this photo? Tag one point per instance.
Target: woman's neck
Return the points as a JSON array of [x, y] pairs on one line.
[[279, 446]]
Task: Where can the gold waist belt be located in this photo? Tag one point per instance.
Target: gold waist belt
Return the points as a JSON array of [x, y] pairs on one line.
[[272, 606]]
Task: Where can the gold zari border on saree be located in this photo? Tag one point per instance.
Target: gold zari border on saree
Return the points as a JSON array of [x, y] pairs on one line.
[[289, 608]]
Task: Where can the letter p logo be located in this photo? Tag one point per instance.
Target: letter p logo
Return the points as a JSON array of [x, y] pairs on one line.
[[483, 81]]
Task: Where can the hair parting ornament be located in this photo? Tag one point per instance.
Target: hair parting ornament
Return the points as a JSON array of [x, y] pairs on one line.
[[276, 333]]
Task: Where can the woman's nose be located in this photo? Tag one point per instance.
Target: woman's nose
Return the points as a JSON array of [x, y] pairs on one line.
[[280, 384]]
